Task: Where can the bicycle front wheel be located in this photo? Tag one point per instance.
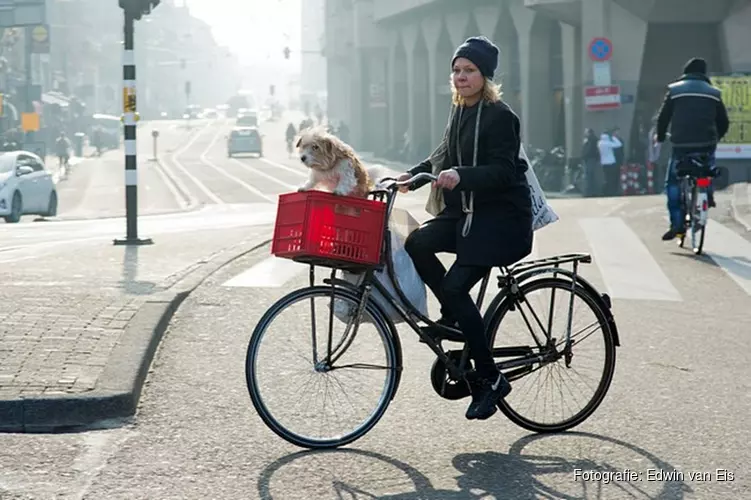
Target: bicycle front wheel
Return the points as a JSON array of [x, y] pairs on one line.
[[302, 357], [570, 383]]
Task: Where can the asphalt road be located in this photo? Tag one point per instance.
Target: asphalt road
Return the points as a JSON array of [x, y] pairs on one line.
[[675, 415]]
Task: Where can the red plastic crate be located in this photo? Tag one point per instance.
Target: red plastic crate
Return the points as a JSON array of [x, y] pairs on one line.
[[327, 230]]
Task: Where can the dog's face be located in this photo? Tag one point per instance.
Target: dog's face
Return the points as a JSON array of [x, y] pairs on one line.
[[319, 150]]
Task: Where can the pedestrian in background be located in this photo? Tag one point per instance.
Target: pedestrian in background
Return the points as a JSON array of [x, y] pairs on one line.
[[591, 162], [611, 171]]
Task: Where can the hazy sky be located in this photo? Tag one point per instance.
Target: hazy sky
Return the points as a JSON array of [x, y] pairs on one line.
[[253, 29]]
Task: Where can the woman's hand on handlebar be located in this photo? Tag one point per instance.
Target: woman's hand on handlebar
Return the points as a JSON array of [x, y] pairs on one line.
[[404, 177]]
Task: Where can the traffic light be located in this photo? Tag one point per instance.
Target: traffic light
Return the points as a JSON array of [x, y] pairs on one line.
[[272, 88], [138, 8], [286, 52]]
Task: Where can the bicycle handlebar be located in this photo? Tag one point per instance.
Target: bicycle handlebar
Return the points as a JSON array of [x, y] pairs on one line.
[[407, 182]]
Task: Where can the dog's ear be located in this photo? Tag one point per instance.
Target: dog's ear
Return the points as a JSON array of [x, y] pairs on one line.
[[299, 141], [327, 145]]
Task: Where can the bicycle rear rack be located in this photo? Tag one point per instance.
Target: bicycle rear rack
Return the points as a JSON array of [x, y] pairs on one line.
[[554, 261]]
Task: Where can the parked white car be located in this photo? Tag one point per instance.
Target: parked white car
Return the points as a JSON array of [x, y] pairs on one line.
[[26, 186]]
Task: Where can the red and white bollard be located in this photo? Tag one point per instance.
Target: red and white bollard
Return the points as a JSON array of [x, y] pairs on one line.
[[650, 177]]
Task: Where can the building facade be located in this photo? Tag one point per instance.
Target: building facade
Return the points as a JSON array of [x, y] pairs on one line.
[[388, 62], [313, 63]]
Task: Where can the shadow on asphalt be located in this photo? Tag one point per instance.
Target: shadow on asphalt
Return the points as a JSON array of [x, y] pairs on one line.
[[130, 282], [519, 474]]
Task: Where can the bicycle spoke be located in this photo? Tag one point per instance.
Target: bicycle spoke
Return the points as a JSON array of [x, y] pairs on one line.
[[567, 381], [335, 404]]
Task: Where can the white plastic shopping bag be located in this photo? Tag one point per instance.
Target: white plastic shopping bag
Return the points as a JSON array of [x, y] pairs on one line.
[[542, 213], [400, 224]]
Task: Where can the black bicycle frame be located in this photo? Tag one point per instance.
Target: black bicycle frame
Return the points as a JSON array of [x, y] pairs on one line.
[[508, 283]]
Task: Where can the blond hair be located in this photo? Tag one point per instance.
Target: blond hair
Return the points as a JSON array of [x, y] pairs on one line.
[[491, 92]]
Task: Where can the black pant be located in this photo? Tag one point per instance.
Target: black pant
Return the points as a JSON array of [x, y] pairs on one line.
[[452, 288], [612, 180]]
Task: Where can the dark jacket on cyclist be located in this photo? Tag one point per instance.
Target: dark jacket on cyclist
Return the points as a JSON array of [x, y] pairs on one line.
[[694, 110], [501, 229]]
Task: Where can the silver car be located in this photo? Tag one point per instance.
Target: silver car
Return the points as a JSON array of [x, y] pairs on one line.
[[244, 140]]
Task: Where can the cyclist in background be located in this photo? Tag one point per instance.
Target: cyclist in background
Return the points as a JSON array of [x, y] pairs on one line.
[[62, 148], [697, 117], [290, 137]]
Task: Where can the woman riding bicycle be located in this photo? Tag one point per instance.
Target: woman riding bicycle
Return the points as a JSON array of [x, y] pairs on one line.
[[484, 214]]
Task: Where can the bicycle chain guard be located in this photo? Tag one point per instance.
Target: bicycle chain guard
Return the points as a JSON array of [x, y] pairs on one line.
[[443, 384]]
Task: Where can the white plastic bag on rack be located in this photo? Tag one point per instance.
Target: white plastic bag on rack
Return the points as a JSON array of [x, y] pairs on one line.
[[400, 224], [542, 213]]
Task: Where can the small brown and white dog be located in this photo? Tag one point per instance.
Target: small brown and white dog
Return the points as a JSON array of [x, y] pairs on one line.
[[333, 164]]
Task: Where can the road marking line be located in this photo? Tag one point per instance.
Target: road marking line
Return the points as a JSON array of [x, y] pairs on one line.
[[230, 176], [627, 268], [271, 272], [190, 176], [170, 183], [295, 171], [263, 174], [730, 251]]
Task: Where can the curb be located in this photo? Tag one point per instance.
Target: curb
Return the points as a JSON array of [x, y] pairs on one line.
[[119, 387], [736, 214]]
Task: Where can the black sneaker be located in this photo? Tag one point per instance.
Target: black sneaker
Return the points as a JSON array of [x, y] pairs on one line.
[[485, 396], [438, 334], [671, 235]]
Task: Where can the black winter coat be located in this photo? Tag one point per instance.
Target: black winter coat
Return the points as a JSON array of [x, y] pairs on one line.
[[694, 110], [501, 230]]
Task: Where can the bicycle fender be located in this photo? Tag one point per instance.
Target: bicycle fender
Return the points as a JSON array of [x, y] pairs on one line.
[[603, 299]]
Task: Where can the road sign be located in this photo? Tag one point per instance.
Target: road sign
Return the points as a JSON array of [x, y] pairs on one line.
[[602, 98], [29, 122], [600, 49], [601, 73], [129, 100], [40, 39]]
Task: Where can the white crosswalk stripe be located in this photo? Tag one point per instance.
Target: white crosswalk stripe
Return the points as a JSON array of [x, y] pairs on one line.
[[627, 267], [622, 263], [731, 252]]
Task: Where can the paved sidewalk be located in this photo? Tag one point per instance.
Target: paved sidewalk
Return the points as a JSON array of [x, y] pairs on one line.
[[78, 330], [52, 163], [740, 203]]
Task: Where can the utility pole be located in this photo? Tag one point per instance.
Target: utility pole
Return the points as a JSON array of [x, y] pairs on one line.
[[29, 101], [132, 11]]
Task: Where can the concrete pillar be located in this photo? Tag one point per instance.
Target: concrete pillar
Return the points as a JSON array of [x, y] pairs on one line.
[[409, 37], [431, 30], [534, 62], [595, 23], [487, 18], [573, 90], [392, 90], [456, 23]]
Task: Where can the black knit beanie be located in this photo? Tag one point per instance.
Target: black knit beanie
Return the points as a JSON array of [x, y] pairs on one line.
[[482, 52], [695, 65]]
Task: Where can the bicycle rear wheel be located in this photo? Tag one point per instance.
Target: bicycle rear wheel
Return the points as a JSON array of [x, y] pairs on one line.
[[516, 331], [698, 226], [282, 344], [685, 198]]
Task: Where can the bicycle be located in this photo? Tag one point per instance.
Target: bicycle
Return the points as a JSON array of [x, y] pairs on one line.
[[449, 372], [695, 173]]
